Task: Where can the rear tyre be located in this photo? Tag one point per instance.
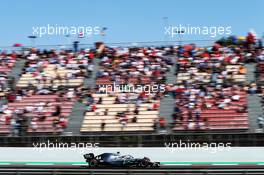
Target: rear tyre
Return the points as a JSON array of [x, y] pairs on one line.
[[93, 163]]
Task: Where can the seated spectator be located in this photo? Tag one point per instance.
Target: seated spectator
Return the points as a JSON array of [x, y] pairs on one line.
[[224, 104], [136, 111], [2, 120], [89, 108], [252, 88], [197, 114], [134, 119], [55, 123], [11, 97], [242, 109], [70, 94], [150, 108], [57, 111], [189, 115], [117, 101], [103, 125], [42, 118], [14, 127], [90, 99], [191, 125], [123, 120], [203, 124], [235, 97], [177, 109], [155, 124], [260, 121], [162, 123], [242, 70], [155, 106], [100, 100], [106, 112], [63, 122], [94, 108], [33, 124]]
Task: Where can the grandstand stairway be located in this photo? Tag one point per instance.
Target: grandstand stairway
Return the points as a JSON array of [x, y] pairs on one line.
[[171, 78], [167, 102], [77, 116], [166, 108], [75, 119], [254, 101], [254, 110], [250, 76], [90, 82], [17, 69]]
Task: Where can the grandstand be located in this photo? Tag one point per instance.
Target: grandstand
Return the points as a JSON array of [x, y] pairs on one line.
[[120, 117], [208, 89]]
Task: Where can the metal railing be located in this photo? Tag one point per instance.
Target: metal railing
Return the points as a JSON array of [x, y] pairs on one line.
[[116, 44], [138, 140]]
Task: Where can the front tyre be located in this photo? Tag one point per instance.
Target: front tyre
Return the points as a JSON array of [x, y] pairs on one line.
[[155, 165], [144, 163]]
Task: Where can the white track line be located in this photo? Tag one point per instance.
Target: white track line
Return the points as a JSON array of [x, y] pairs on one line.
[[224, 164], [39, 164], [183, 164]]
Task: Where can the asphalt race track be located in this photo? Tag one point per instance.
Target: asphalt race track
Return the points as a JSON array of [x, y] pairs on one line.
[[237, 161], [163, 170]]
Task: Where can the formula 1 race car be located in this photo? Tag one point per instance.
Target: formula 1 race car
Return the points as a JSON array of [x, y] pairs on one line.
[[119, 161]]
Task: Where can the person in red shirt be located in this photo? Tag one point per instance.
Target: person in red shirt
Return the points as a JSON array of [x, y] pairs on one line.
[[162, 123], [94, 108], [11, 97], [250, 38], [206, 55], [91, 55], [250, 41], [143, 94], [8, 119], [155, 106]]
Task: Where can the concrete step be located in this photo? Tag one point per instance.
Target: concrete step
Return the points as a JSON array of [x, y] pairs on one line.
[[90, 82], [171, 78], [17, 69], [167, 108], [76, 119], [251, 68], [254, 110]]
